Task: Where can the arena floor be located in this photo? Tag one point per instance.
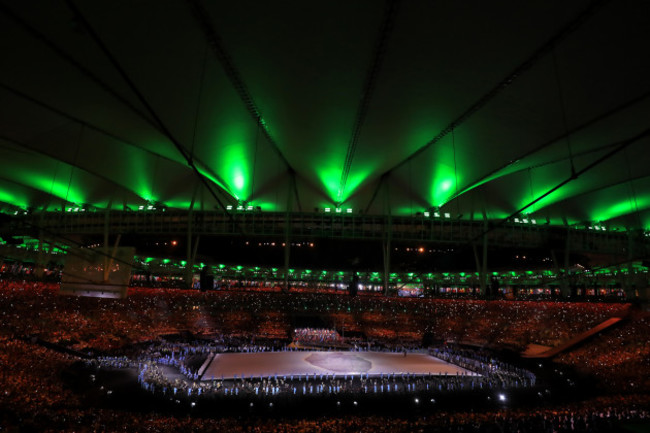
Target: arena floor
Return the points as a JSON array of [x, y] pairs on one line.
[[230, 365]]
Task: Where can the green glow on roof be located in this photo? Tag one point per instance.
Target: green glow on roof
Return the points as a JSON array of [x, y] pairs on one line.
[[13, 199], [216, 181], [178, 204], [443, 183], [355, 178], [329, 173], [620, 208], [329, 179], [441, 190], [266, 206], [58, 186], [403, 211], [234, 158], [567, 191]]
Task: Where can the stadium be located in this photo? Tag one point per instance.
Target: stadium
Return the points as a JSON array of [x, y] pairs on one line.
[[404, 216]]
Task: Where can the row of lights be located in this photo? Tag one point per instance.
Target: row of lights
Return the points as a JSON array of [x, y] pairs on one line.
[[293, 244], [525, 220], [436, 214], [76, 209], [243, 208], [337, 210]]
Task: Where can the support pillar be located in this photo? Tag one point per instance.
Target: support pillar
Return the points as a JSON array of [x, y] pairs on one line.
[[566, 288], [107, 224], [111, 259], [483, 273], [562, 277], [386, 255], [287, 233], [189, 266], [39, 258]]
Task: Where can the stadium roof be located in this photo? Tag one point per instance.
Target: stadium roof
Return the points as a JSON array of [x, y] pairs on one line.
[[477, 108]]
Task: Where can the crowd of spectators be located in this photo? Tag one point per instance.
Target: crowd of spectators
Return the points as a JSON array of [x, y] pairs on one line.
[[146, 313], [317, 337], [620, 357], [33, 390], [599, 415]]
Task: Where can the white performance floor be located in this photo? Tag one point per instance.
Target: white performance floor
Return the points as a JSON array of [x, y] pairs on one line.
[[230, 365]]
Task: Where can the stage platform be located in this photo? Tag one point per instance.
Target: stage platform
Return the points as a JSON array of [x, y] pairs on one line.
[[231, 365]]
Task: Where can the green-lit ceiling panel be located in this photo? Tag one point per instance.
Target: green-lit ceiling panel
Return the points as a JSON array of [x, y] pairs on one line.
[[328, 170], [13, 197]]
